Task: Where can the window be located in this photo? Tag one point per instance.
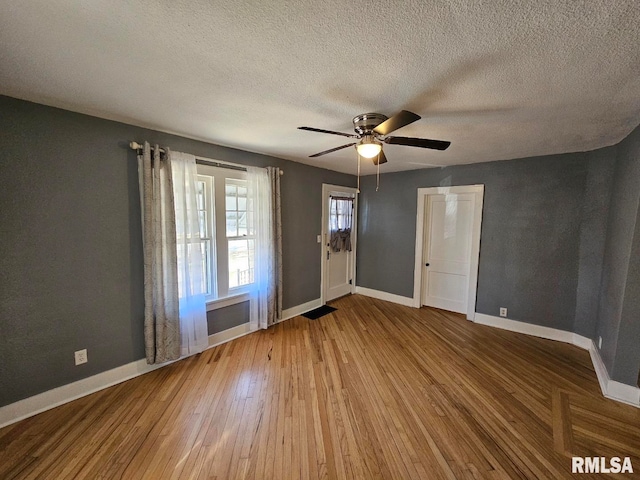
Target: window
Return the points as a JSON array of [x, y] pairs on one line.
[[240, 236], [228, 240], [340, 214], [205, 215]]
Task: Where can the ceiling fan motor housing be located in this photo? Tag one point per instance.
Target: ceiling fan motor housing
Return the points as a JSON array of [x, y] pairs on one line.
[[365, 123]]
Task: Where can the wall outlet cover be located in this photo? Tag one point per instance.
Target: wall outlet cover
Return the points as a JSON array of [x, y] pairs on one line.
[[81, 356], [503, 312]]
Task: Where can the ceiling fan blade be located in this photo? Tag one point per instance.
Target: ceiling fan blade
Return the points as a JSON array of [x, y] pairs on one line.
[[331, 150], [380, 158], [418, 142], [319, 130], [399, 120], [433, 165]]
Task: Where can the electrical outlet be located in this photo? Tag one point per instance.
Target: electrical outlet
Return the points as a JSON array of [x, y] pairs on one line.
[[81, 356], [599, 342], [503, 312]]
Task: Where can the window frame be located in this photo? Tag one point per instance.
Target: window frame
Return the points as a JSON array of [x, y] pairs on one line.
[[250, 235], [219, 265], [210, 223]]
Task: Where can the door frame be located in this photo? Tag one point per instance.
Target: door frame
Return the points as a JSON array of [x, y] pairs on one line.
[[326, 189], [478, 192]]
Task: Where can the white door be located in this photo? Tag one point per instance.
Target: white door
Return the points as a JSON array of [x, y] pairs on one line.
[[447, 250], [338, 275], [339, 206]]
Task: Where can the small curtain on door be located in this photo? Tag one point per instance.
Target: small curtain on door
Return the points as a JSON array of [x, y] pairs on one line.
[[340, 221]]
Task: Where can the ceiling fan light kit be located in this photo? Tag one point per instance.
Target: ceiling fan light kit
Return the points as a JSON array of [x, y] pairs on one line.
[[369, 147]]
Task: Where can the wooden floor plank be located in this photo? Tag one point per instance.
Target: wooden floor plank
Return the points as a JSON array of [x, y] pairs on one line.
[[372, 390]]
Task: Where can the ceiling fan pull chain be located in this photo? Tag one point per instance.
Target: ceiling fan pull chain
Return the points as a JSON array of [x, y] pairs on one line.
[[358, 173], [378, 174]]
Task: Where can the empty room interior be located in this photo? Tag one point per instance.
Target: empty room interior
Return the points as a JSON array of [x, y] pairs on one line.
[[320, 239]]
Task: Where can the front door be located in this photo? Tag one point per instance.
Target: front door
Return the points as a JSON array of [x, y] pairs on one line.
[[447, 251], [339, 236]]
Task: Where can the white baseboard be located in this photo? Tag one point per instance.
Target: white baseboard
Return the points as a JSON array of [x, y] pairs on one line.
[[300, 309], [31, 406], [610, 388], [58, 396], [582, 342], [28, 407], [389, 297], [534, 330]]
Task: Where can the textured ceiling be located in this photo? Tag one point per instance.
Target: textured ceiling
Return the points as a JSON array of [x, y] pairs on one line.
[[499, 79]]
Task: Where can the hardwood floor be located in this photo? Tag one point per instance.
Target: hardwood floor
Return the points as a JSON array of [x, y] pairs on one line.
[[372, 390]]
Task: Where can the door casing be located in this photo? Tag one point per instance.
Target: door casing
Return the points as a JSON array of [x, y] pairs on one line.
[[478, 192], [327, 189]]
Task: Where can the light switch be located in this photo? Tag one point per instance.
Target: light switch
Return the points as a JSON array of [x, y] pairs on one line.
[[319, 238]]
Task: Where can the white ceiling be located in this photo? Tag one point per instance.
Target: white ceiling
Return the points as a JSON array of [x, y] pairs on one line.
[[499, 79]]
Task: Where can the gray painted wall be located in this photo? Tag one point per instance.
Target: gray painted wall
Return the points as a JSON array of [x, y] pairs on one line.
[[71, 246], [228, 317], [619, 308], [626, 368], [593, 233], [529, 254]]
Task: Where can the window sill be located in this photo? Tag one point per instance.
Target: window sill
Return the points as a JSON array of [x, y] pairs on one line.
[[227, 301]]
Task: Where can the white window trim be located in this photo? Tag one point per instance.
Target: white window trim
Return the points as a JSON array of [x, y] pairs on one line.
[[221, 257], [227, 301]]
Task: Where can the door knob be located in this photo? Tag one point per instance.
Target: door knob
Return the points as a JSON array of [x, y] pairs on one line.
[[426, 264]]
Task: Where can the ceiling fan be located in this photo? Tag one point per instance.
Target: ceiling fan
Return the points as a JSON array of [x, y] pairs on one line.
[[373, 129]]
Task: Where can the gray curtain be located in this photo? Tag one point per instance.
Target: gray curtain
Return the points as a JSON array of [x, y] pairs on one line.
[[161, 307], [275, 313]]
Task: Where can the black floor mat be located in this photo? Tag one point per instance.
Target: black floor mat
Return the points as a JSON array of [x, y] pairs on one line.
[[318, 312]]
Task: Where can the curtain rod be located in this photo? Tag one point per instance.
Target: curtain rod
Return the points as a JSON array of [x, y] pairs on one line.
[[341, 198], [202, 161]]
